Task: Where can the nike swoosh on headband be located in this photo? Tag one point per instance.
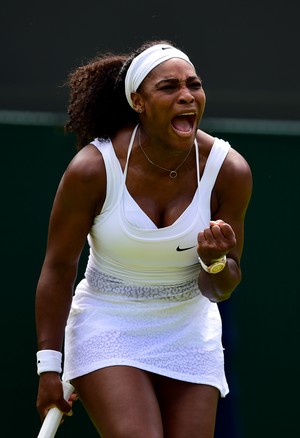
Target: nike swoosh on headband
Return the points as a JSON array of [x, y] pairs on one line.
[[184, 249]]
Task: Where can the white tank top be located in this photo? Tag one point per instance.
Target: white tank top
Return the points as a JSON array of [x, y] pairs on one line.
[[126, 244]]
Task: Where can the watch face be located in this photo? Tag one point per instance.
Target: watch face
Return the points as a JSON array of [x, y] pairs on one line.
[[217, 267]]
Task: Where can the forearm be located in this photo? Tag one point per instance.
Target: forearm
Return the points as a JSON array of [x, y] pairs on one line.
[[219, 287], [53, 301]]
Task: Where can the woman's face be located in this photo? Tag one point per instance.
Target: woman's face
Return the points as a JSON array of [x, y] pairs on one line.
[[172, 99]]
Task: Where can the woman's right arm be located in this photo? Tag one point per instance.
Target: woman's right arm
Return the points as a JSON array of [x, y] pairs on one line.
[[79, 198]]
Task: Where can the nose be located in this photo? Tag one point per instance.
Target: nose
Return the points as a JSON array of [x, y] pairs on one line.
[[185, 96]]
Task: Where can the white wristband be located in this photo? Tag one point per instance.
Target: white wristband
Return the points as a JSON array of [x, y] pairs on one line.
[[48, 360]]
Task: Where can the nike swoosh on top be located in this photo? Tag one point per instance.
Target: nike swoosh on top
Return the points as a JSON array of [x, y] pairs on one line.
[[185, 249]]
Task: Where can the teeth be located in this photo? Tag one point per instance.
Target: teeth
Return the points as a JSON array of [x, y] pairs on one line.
[[187, 114]]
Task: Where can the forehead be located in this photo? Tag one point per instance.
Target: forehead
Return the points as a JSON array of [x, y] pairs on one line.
[[173, 68]]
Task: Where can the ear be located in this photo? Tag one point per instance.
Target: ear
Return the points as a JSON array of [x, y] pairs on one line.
[[138, 102]]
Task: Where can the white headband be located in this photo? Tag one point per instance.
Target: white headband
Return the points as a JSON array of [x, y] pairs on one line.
[[145, 62]]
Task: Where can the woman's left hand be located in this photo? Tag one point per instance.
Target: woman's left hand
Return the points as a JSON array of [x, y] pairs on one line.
[[215, 241]]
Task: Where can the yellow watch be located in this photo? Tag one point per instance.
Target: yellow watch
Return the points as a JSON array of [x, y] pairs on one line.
[[217, 265]]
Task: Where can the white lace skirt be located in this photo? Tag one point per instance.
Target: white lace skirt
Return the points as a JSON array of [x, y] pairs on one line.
[[172, 331]]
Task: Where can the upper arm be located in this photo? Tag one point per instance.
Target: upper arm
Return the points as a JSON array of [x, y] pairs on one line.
[[80, 194], [231, 197]]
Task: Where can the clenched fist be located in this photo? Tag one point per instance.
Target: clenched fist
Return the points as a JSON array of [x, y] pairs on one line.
[[215, 241]]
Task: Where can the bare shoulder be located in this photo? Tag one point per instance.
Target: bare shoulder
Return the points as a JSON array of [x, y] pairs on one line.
[[87, 164], [236, 167], [233, 186], [84, 180], [234, 183]]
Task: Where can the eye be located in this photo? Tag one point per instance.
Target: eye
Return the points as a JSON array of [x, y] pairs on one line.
[[196, 85], [168, 87]]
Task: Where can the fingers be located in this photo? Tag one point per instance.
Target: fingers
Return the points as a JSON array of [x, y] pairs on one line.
[[64, 406], [216, 240], [221, 229], [73, 397], [214, 232], [69, 414], [218, 230], [217, 222]]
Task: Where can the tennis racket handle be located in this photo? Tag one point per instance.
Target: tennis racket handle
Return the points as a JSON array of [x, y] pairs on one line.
[[54, 415]]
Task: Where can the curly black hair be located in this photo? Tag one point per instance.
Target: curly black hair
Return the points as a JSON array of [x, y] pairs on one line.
[[98, 107]]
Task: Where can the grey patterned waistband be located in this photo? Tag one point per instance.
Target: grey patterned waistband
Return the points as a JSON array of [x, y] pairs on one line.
[[110, 285]]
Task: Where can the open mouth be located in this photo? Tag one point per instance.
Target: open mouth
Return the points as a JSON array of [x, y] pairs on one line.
[[184, 122]]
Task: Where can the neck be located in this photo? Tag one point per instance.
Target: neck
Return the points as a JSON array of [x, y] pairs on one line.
[[172, 169]]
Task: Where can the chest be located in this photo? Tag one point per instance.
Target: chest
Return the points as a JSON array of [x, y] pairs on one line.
[[163, 200]]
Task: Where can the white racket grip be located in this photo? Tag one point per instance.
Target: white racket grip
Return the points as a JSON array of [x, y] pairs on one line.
[[54, 416]]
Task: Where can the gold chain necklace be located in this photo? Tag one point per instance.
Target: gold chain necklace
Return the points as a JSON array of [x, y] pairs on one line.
[[172, 173]]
